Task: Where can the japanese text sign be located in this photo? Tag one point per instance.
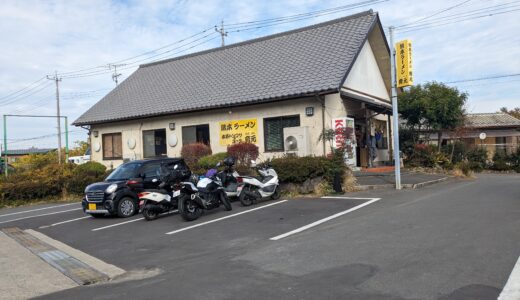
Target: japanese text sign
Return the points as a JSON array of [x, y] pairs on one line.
[[403, 57], [238, 131]]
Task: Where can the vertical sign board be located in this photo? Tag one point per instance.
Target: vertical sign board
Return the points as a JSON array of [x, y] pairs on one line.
[[238, 131], [345, 137], [403, 58]]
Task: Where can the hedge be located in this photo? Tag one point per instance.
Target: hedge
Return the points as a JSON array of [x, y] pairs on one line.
[[50, 181]]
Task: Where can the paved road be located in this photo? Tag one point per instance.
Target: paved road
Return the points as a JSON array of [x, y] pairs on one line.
[[455, 240]]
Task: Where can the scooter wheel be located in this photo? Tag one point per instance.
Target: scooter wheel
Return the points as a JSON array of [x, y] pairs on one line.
[[276, 195], [245, 200], [188, 209], [150, 212]]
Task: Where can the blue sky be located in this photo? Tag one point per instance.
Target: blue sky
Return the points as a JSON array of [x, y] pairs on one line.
[[39, 37]]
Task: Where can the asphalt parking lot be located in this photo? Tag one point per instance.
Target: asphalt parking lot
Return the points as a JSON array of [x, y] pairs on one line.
[[454, 240]]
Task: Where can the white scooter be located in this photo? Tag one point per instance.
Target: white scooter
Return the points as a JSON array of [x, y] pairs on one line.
[[253, 189]]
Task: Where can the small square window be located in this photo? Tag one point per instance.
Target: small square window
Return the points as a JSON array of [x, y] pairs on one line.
[[309, 111]]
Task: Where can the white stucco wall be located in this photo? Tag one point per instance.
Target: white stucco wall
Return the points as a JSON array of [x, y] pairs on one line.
[[133, 129], [365, 75]]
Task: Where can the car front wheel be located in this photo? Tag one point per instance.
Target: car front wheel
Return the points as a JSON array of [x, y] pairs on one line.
[[126, 207]]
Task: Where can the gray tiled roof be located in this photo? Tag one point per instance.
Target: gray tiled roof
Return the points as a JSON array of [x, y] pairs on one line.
[[491, 120], [29, 151], [309, 60]]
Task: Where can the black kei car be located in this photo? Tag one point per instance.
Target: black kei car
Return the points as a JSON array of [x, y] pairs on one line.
[[117, 195]]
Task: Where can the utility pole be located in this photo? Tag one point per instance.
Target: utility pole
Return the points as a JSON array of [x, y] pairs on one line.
[[222, 32], [58, 118], [115, 75], [395, 112]]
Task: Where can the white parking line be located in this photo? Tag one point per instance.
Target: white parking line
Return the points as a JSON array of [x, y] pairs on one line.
[[27, 211], [64, 222], [345, 197], [131, 221], [511, 290], [47, 214], [226, 217], [281, 236]]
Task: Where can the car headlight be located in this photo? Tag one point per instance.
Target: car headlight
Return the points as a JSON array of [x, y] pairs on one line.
[[111, 188]]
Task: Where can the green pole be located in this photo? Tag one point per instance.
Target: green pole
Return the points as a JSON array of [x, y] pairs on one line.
[[5, 145], [66, 140]]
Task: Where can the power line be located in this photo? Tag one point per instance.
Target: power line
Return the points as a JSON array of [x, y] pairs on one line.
[[305, 15], [139, 55], [18, 91], [460, 17], [435, 14], [25, 96], [482, 78]]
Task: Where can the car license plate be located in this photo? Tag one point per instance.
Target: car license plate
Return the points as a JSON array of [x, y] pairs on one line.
[[91, 206]]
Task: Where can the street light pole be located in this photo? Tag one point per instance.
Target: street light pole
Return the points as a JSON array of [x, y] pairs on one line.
[[395, 113]]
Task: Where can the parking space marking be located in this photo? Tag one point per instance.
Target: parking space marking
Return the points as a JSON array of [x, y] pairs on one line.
[[345, 197], [130, 221], [511, 290], [64, 222], [281, 236], [37, 209], [226, 217], [42, 215]]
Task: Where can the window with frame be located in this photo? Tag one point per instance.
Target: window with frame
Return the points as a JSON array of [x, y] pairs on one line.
[[273, 131], [112, 146], [154, 143]]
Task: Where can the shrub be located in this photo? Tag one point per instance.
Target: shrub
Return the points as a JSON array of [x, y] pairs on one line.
[[464, 167], [243, 153], [90, 168], [500, 162], [209, 161], [193, 152], [427, 156], [477, 159], [459, 151], [84, 175], [292, 169]]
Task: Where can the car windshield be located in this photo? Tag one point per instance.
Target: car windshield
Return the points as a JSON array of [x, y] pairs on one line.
[[124, 172]]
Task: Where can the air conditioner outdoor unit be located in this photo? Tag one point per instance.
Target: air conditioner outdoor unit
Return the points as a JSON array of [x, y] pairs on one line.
[[296, 141]]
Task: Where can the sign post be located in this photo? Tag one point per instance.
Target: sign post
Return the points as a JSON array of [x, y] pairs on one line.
[[404, 77]]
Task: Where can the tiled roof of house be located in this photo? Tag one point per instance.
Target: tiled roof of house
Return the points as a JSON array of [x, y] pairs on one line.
[[482, 120], [29, 151], [309, 60]]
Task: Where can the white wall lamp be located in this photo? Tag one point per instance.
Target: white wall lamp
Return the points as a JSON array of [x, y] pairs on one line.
[[172, 126]]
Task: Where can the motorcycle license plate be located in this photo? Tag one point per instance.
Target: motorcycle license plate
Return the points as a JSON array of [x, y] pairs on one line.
[[91, 206]]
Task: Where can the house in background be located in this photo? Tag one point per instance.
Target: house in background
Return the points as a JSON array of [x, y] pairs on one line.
[[501, 132], [292, 85], [16, 154]]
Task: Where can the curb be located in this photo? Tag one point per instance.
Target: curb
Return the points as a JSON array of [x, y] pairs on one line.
[[109, 270], [404, 186]]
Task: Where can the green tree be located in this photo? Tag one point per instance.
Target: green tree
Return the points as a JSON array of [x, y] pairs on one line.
[[79, 149], [434, 106]]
